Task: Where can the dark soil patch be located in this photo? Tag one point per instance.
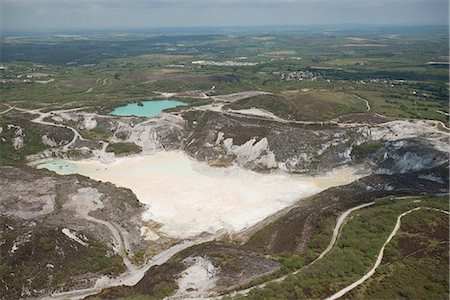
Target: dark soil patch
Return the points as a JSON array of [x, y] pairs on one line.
[[364, 118], [150, 284]]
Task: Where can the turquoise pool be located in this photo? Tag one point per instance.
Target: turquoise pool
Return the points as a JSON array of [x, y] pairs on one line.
[[146, 109]]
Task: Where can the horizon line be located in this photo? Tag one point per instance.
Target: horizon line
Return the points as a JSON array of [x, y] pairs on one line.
[[2, 29]]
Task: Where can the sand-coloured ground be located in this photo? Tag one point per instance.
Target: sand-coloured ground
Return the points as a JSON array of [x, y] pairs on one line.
[[190, 197]]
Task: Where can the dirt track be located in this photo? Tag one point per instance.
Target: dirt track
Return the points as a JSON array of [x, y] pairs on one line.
[[336, 230], [380, 254]]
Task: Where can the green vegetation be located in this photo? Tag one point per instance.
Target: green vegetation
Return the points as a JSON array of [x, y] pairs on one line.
[[97, 134], [226, 260], [200, 122], [32, 140], [314, 106], [160, 290], [94, 242], [47, 243], [4, 270], [139, 257], [366, 149], [393, 77], [163, 289], [291, 261], [138, 297], [386, 67], [49, 254], [354, 254], [111, 265], [192, 102], [123, 148], [416, 261], [400, 104]]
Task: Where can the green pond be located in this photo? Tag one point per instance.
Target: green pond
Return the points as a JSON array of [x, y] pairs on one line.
[[147, 109]]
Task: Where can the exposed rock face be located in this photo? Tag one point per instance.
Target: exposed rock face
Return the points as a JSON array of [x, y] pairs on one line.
[[27, 200], [262, 144], [19, 132], [413, 129], [17, 140], [89, 122], [48, 141], [146, 137], [252, 154], [403, 156], [265, 144], [198, 278], [197, 271], [165, 132], [84, 201], [103, 156]]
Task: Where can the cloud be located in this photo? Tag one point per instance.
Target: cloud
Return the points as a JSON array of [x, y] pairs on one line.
[[156, 13], [153, 4]]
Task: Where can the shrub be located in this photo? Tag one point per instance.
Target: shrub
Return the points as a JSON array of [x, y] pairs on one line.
[[365, 149], [123, 148]]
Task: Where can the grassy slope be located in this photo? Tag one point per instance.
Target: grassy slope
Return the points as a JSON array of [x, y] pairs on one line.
[[355, 253], [416, 261], [314, 106], [404, 105]]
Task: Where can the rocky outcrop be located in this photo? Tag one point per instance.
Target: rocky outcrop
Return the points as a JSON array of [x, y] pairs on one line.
[[17, 142], [310, 148], [89, 122], [18, 136], [165, 132], [48, 141], [253, 154], [408, 155], [266, 144], [262, 143]]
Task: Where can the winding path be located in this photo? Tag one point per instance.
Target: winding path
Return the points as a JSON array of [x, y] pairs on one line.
[[337, 228], [336, 231], [42, 116], [118, 238], [131, 278], [364, 100], [6, 110], [345, 290], [443, 113], [93, 87]]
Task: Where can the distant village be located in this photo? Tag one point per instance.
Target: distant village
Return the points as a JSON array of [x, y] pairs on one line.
[[23, 78], [297, 76], [223, 64]]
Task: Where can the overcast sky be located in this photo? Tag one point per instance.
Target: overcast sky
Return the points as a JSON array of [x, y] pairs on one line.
[[179, 13]]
